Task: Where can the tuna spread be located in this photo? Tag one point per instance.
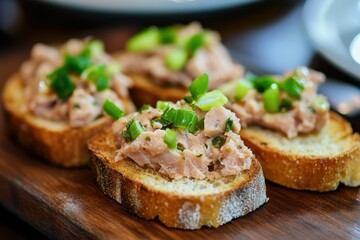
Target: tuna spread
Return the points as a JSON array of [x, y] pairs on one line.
[[193, 138], [176, 55], [288, 104], [70, 83]]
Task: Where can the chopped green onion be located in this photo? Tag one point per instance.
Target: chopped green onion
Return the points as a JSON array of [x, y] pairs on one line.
[[76, 64], [182, 118], [164, 105], [199, 86], [126, 135], [167, 35], [285, 105], [293, 87], [241, 89], [144, 108], [113, 110], [176, 59], [113, 68], [186, 119], [93, 48], [200, 124], [102, 82], [180, 147], [271, 99], [61, 83], [229, 125], [98, 75], [211, 99], [188, 99], [196, 41], [134, 128], [144, 41], [170, 138], [169, 115], [320, 104], [263, 83], [218, 141], [164, 123]]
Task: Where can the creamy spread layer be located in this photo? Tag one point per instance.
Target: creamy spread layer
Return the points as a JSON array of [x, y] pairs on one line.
[[288, 104], [70, 83], [178, 54], [193, 138]]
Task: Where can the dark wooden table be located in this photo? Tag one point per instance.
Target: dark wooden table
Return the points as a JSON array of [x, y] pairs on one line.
[[35, 195]]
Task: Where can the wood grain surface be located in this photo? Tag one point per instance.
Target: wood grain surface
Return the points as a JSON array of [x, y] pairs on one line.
[[67, 203]]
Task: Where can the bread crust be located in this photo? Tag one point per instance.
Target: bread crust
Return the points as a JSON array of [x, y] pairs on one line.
[[55, 141], [321, 170], [144, 91], [146, 193]]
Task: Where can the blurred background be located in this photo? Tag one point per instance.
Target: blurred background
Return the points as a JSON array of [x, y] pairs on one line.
[[266, 36]]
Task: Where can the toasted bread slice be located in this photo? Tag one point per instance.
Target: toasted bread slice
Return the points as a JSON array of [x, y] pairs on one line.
[[144, 91], [184, 203], [55, 141], [317, 161]]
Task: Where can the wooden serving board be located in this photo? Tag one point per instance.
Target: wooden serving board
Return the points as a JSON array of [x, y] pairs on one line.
[[68, 204]]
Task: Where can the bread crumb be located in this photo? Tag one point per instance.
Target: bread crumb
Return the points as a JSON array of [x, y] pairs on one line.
[[189, 215]]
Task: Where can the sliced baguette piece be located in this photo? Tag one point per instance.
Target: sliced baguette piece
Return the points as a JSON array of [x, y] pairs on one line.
[[55, 141], [144, 91], [184, 203], [317, 161]]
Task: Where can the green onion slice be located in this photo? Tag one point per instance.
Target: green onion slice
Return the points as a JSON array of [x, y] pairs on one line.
[[271, 99], [218, 141], [144, 108], [170, 138], [293, 87], [196, 42], [61, 83], [320, 104], [176, 59], [201, 123], [169, 115], [97, 74], [199, 86], [186, 119], [164, 123], [92, 49], [182, 118], [167, 35], [229, 125], [76, 64], [164, 105], [144, 41], [134, 128], [285, 105], [188, 99], [263, 83], [113, 68], [211, 99], [242, 88], [114, 111]]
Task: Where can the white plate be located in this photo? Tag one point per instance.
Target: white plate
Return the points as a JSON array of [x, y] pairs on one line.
[[148, 6], [332, 25]]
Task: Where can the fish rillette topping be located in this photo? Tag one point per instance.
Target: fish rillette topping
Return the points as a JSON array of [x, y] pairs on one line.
[[289, 104], [177, 54], [70, 83], [182, 140]]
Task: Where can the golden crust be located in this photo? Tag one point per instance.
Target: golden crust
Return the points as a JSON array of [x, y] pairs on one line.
[[145, 91], [55, 141], [148, 194], [336, 157]]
